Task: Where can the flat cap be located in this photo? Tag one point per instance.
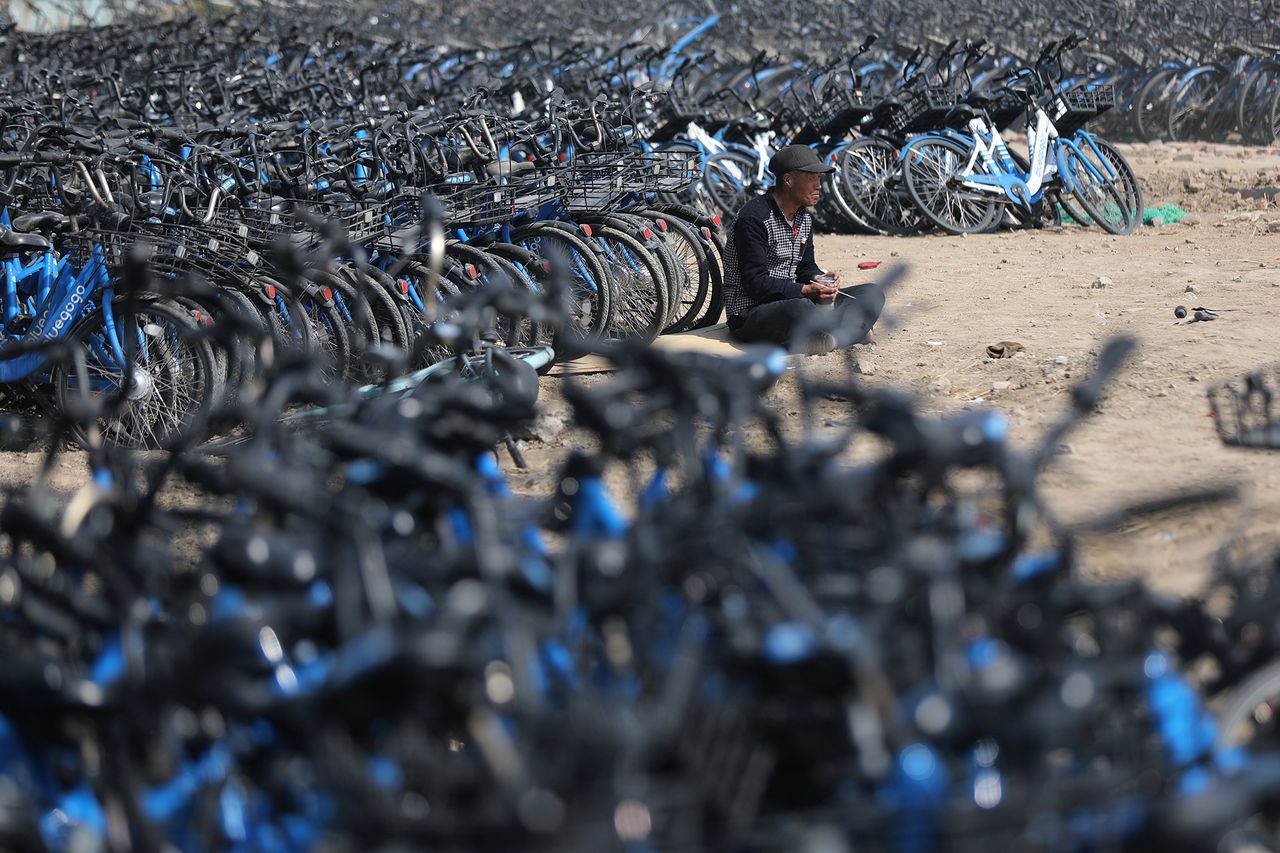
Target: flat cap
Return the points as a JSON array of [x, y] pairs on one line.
[[797, 158]]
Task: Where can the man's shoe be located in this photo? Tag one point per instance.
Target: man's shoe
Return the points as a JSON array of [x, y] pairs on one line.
[[821, 343]]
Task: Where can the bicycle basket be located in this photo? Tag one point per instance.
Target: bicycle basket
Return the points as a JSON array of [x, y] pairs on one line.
[[1070, 111], [485, 203], [167, 248], [928, 107], [598, 181], [258, 227], [362, 220], [673, 170], [1005, 110], [1246, 409]]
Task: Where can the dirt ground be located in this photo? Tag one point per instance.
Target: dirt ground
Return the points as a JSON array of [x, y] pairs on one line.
[[1152, 435]]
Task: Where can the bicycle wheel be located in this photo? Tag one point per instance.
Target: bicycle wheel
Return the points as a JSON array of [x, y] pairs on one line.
[[1251, 106], [516, 331], [1101, 199], [640, 309], [1269, 125], [838, 209], [1190, 104], [695, 281], [1126, 180], [654, 240], [728, 181], [356, 316], [155, 378], [1150, 106], [591, 302], [376, 287], [715, 266], [871, 177], [330, 341], [932, 174]]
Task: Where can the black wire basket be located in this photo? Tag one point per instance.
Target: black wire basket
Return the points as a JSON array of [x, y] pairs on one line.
[[257, 227], [362, 220], [673, 170], [1005, 109], [165, 247], [599, 181], [1246, 409], [481, 203], [890, 116], [1072, 110], [928, 107]]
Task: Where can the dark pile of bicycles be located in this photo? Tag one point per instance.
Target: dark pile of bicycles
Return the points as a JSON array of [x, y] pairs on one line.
[[349, 634], [398, 175], [347, 254]]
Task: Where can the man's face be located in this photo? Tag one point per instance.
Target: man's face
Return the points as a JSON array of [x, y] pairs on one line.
[[806, 187]]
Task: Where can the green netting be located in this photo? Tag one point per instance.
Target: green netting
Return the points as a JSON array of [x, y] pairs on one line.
[[1169, 213]]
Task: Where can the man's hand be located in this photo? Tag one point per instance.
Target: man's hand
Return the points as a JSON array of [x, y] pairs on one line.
[[822, 291]]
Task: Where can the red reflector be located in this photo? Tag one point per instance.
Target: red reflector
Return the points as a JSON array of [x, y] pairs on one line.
[[647, 233], [586, 229], [715, 220], [706, 232], [327, 293], [404, 286], [472, 272], [546, 266], [662, 225], [564, 158], [271, 291]]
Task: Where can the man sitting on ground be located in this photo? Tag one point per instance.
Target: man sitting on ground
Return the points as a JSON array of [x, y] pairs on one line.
[[771, 280]]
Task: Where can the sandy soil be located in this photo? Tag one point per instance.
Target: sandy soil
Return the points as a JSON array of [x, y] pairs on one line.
[[1151, 436]]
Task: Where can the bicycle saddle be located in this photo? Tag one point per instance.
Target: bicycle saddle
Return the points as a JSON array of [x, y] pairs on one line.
[[960, 113], [45, 220], [508, 167], [12, 240]]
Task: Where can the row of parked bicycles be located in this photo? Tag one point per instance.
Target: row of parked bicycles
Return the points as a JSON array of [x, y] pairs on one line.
[[346, 213], [1181, 70]]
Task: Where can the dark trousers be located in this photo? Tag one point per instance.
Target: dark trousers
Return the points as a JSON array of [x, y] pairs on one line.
[[774, 321]]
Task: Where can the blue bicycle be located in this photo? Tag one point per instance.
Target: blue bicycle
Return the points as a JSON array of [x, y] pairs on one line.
[[147, 376]]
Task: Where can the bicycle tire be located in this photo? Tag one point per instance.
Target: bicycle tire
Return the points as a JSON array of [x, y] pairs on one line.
[[727, 181], [1188, 110], [871, 174], [1150, 106], [640, 309], [1127, 180], [377, 288], [1255, 94], [929, 168], [714, 309], [1099, 199], [170, 400], [658, 245], [591, 299], [1270, 127], [688, 250]]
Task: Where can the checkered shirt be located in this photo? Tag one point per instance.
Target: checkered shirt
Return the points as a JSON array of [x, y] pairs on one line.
[[786, 245]]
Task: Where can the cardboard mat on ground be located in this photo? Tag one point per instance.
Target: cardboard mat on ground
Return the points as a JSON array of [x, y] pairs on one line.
[[713, 340]]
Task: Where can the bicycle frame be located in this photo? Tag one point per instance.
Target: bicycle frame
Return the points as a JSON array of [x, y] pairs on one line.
[[66, 302]]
